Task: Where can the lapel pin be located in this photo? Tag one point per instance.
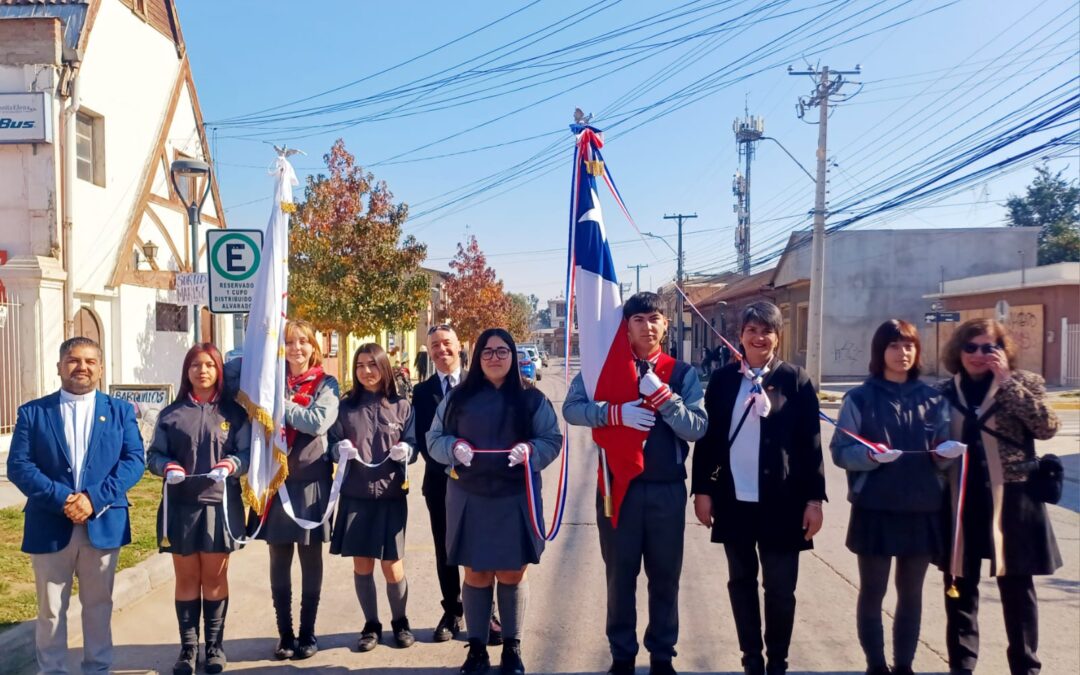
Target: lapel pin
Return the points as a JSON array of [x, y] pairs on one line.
[[101, 419]]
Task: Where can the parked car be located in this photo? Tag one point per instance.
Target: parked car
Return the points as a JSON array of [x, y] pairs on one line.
[[534, 354], [527, 365]]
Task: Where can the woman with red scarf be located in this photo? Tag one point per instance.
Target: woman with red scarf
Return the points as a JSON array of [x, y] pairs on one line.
[[310, 411]]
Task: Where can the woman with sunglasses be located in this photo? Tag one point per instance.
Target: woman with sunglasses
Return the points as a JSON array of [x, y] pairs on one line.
[[998, 411], [488, 430], [375, 427], [895, 493], [201, 445]]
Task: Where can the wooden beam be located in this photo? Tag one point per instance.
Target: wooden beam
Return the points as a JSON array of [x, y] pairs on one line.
[[178, 206], [201, 127], [165, 233], [123, 262], [165, 281]]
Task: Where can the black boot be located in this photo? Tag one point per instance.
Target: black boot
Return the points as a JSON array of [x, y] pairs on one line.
[[286, 646], [307, 645], [370, 636], [621, 667], [214, 612], [753, 664], [477, 662], [511, 663], [187, 617], [403, 635]]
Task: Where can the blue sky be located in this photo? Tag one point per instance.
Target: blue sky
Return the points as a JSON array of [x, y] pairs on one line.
[[934, 71]]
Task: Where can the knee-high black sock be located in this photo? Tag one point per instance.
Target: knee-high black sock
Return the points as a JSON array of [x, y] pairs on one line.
[[281, 586], [214, 612], [187, 617]]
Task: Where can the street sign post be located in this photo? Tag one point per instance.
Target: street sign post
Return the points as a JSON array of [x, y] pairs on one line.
[[234, 258], [942, 317]]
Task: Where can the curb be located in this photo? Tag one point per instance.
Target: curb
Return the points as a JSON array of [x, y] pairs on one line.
[[132, 584]]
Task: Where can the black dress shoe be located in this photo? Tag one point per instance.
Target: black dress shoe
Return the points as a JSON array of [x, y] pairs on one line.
[[403, 635], [621, 667], [286, 647], [776, 668], [511, 663], [753, 665], [477, 662], [661, 667], [448, 628], [306, 647], [369, 637], [185, 662], [495, 632]]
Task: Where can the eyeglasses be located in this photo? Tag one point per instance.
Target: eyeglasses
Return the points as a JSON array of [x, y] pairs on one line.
[[499, 353], [985, 348], [441, 326]]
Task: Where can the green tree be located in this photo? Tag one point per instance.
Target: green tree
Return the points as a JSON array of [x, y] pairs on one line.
[[350, 270], [519, 320], [1051, 204]]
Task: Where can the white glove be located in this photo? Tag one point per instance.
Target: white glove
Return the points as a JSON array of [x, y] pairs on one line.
[[399, 452], [519, 453], [635, 416], [950, 449], [347, 451], [649, 384], [174, 476], [463, 453], [886, 456]]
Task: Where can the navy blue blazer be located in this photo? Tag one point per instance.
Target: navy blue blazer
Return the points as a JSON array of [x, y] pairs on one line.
[[39, 464]]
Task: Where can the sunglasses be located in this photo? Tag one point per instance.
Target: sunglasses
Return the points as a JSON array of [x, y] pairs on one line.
[[498, 353], [441, 326], [986, 348]]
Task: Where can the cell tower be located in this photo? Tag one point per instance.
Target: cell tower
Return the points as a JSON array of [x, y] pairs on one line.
[[748, 131]]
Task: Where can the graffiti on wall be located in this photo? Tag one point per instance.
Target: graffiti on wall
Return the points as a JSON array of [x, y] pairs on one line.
[[1026, 326]]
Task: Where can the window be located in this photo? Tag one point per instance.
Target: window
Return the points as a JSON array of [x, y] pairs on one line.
[[90, 148], [170, 318], [802, 320]]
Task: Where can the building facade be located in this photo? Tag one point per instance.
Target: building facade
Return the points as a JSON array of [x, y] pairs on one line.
[[92, 231]]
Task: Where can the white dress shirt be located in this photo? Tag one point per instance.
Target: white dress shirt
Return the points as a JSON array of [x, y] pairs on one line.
[[77, 410], [746, 448], [454, 377]]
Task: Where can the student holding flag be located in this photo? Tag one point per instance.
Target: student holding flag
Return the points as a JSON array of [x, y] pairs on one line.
[[490, 431], [759, 481], [375, 433], [647, 517], [311, 408], [200, 447], [896, 489]]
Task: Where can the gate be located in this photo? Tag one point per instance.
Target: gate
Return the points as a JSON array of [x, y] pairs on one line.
[[10, 380], [1070, 357]]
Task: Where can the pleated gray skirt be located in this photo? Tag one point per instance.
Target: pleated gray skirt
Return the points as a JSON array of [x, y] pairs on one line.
[[489, 533], [370, 528]]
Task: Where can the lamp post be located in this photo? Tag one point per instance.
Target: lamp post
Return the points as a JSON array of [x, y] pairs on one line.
[[191, 179]]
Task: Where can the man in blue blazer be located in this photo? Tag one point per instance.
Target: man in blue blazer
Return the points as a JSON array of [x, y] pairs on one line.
[[75, 454]]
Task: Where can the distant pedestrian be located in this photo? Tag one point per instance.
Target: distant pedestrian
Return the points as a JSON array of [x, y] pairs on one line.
[[723, 355], [759, 481], [488, 528], [706, 361], [201, 446], [374, 432], [896, 494], [998, 411], [421, 364], [75, 453]]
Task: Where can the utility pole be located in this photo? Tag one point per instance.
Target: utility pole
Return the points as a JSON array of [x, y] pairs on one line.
[[824, 87], [637, 269], [678, 283]]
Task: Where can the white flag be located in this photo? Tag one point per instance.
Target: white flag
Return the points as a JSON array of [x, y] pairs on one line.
[[262, 375]]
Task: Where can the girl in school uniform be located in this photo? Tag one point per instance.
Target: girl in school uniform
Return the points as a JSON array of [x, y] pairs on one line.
[[311, 408], [200, 447], [488, 527], [375, 434]]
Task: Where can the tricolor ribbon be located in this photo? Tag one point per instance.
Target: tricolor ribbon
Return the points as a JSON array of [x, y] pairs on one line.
[[532, 496]]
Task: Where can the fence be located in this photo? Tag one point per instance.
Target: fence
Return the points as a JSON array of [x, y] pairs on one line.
[[9, 361], [1070, 354]]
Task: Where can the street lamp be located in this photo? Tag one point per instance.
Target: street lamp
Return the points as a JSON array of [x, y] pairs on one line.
[[191, 179]]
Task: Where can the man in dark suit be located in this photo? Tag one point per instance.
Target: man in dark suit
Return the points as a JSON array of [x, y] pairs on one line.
[[75, 454]]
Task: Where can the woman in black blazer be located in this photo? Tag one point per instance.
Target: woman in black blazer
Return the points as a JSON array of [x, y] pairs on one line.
[[758, 481]]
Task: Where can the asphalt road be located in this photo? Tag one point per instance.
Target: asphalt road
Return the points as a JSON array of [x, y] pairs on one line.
[[565, 619]]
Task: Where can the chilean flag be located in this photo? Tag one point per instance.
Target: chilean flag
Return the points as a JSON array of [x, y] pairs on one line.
[[607, 361]]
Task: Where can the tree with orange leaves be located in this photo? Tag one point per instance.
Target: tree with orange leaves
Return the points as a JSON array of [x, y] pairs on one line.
[[349, 268], [477, 299]]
